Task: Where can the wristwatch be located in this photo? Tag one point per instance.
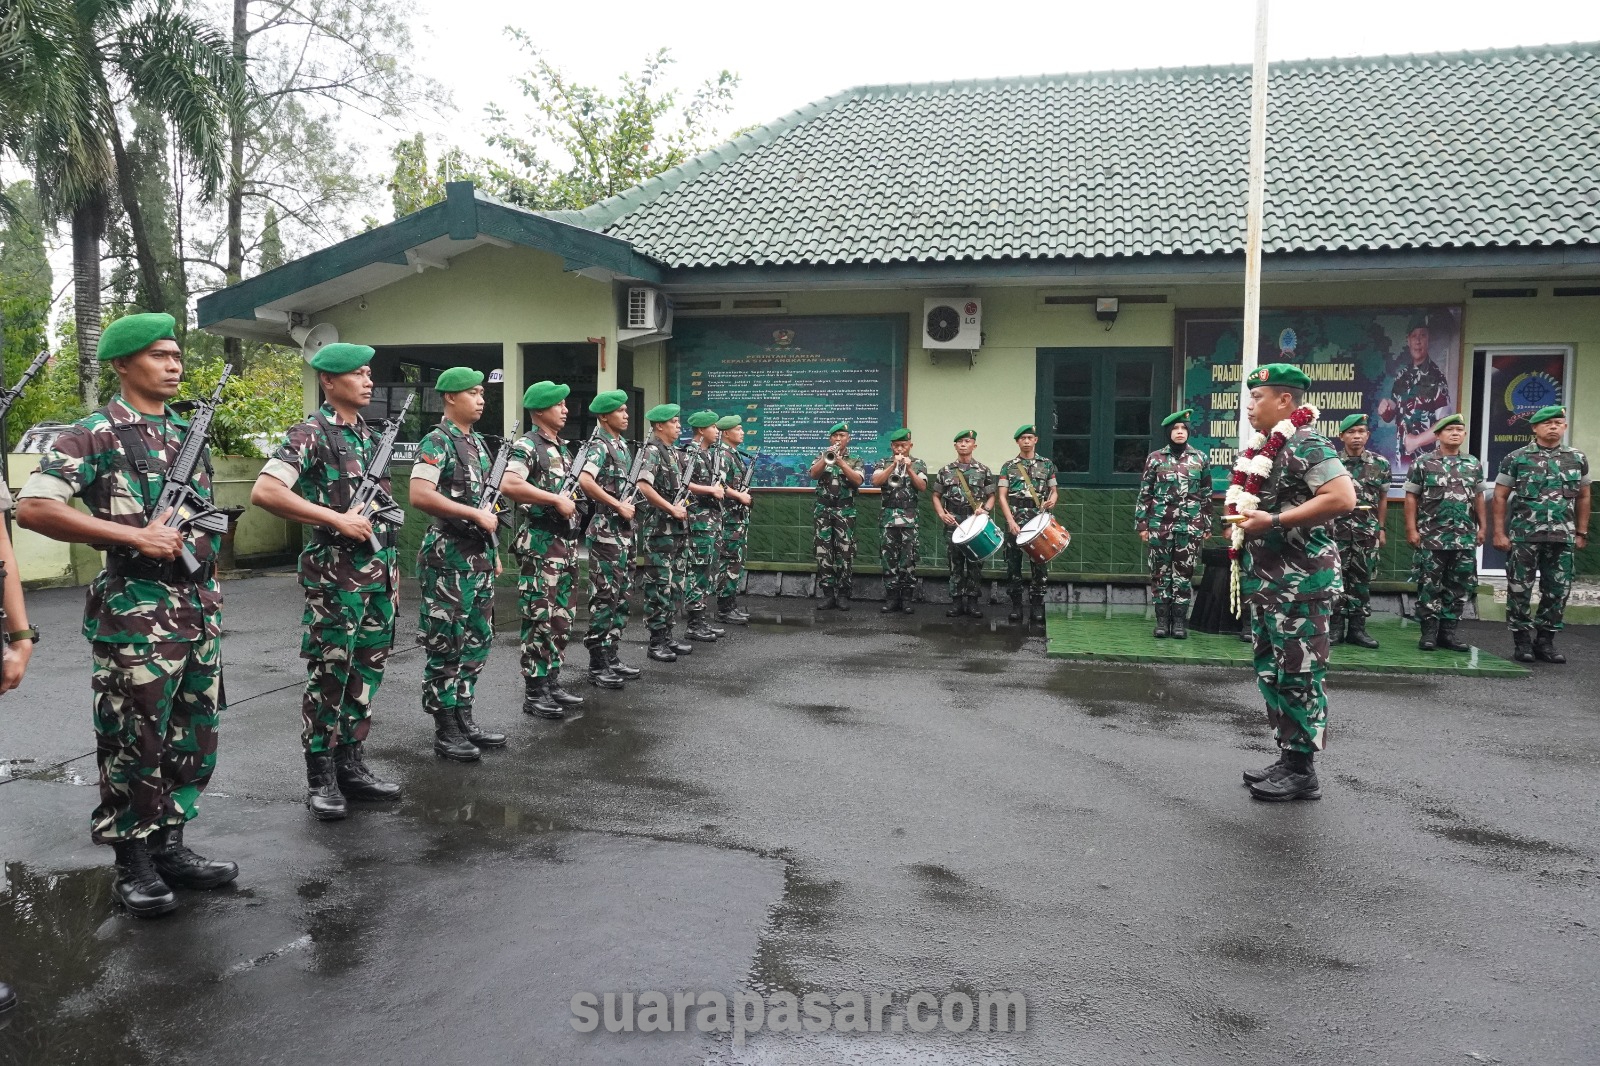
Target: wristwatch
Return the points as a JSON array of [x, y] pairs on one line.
[[1277, 521], [23, 634]]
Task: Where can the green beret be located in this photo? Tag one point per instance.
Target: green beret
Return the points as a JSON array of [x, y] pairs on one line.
[[966, 433], [900, 434], [729, 422], [1450, 420], [134, 333], [542, 394], [1282, 375], [606, 402], [458, 379], [1417, 322], [1351, 422], [1178, 416], [341, 358], [839, 427], [662, 412], [1545, 414], [1029, 428], [702, 419]]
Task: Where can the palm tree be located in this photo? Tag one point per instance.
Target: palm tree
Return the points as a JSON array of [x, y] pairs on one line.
[[65, 66]]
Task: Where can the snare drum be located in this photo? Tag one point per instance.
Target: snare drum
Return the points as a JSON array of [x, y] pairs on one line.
[[978, 536], [1042, 538]]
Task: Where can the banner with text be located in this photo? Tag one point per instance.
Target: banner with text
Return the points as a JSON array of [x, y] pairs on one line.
[[1400, 366], [792, 378]]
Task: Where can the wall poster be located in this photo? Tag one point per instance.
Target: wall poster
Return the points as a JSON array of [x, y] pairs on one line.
[[792, 377]]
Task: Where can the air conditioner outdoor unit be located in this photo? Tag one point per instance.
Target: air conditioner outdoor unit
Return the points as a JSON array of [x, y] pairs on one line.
[[952, 323], [648, 309]]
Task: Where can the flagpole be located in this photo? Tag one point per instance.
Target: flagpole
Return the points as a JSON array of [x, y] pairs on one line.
[[1253, 210]]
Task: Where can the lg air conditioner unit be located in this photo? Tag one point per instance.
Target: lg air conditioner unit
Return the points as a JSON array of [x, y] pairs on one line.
[[646, 317], [952, 323]]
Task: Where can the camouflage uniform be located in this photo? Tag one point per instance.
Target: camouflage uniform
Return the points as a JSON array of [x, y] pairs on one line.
[[834, 528], [735, 524], [900, 501], [547, 550], [610, 543], [1445, 566], [1174, 507], [705, 526], [1356, 534], [455, 569], [1419, 392], [154, 632], [966, 573], [663, 538], [350, 591], [1025, 506], [1540, 520], [1290, 576]]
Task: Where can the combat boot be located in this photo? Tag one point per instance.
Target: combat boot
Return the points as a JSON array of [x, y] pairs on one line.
[[139, 887], [1523, 642], [600, 672], [1357, 634], [842, 600], [1253, 776], [728, 611], [908, 602], [559, 694], [1015, 614], [1036, 608], [356, 781], [1430, 635], [891, 604], [1178, 621], [682, 647], [1544, 648], [483, 738], [1447, 637], [698, 630], [1160, 632], [180, 866], [1294, 779], [958, 607], [973, 610], [450, 739], [323, 797], [661, 648], [829, 603], [537, 701], [1336, 630], [618, 667]]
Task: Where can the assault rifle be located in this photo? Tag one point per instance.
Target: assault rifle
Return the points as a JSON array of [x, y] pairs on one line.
[[493, 498], [369, 500], [630, 489], [685, 467], [189, 510], [14, 393], [746, 470]]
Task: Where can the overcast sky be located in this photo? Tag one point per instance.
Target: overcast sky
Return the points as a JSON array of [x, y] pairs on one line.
[[790, 54]]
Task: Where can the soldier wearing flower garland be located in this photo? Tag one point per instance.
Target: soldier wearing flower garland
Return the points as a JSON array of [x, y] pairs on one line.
[[1445, 523], [1541, 519], [1293, 486], [1360, 534], [1173, 519]]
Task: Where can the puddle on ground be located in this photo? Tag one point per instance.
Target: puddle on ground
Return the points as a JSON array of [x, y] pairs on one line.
[[796, 927], [1151, 697], [826, 713], [68, 773], [1480, 837], [1257, 953], [940, 884]]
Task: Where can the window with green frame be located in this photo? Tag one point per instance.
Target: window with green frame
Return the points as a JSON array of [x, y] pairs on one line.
[[1099, 410]]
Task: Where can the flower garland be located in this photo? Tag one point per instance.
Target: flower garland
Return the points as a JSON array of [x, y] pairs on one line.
[[1250, 472]]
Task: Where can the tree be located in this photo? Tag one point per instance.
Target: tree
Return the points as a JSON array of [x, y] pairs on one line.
[[584, 145], [25, 289], [412, 187], [64, 69]]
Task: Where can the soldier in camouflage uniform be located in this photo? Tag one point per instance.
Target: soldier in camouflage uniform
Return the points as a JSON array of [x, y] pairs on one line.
[[1173, 519], [961, 489], [350, 590], [1541, 519], [153, 626], [456, 566], [834, 517], [1360, 534], [706, 493], [665, 527], [1419, 393], [546, 549], [1445, 523], [609, 537], [1027, 490], [901, 480], [735, 520], [1290, 575]]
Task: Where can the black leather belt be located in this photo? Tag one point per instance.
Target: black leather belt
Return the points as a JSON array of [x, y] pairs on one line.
[[167, 571]]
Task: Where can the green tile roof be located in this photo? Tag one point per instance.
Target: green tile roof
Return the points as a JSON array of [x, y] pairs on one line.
[[1469, 150]]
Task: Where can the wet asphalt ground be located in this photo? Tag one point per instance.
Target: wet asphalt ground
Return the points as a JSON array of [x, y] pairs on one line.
[[823, 803]]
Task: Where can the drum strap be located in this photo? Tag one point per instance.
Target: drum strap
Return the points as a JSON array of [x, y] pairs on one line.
[[1027, 483], [966, 490]]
